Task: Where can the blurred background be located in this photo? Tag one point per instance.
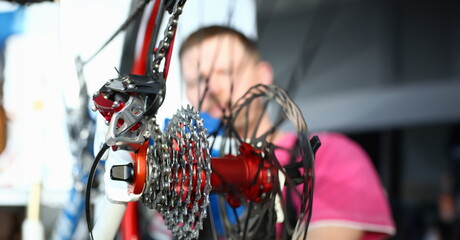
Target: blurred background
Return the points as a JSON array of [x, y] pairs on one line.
[[386, 73]]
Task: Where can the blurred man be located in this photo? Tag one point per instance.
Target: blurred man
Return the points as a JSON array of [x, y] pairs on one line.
[[218, 66]]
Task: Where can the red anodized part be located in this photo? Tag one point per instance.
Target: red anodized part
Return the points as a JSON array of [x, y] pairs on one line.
[[140, 169], [130, 223], [246, 175], [106, 106]]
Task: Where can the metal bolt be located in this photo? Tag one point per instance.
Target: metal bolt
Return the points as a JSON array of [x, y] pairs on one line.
[[115, 104]]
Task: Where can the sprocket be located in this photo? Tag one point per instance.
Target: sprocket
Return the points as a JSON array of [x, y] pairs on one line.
[[180, 173]]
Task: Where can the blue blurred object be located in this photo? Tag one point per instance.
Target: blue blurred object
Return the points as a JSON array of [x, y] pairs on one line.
[[11, 22], [213, 125], [210, 123]]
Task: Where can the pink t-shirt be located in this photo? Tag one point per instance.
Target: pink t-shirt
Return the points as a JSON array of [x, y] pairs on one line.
[[347, 192]]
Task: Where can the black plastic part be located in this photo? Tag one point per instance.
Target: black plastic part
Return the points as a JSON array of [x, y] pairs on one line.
[[315, 143], [89, 184], [122, 173], [151, 87], [292, 170], [169, 5]]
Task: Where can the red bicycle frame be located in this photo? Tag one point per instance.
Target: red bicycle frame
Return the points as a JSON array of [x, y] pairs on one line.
[[129, 226]]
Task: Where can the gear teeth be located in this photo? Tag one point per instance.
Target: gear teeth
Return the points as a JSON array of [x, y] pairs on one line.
[[176, 162]]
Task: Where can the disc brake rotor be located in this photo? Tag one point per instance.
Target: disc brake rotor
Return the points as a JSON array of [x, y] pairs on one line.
[[285, 117]]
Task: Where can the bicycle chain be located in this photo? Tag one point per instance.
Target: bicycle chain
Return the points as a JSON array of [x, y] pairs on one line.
[[157, 154], [176, 187], [165, 43], [178, 153]]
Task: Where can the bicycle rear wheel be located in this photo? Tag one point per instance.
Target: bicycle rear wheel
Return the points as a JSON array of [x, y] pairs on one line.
[[267, 119]]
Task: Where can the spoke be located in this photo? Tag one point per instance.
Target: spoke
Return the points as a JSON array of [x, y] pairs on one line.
[[271, 213], [214, 134], [237, 218], [250, 126], [211, 222], [246, 223], [246, 126], [232, 133], [207, 75], [259, 120], [271, 131], [314, 38], [202, 97]]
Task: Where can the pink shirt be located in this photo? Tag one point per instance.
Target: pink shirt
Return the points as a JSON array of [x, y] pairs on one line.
[[348, 191]]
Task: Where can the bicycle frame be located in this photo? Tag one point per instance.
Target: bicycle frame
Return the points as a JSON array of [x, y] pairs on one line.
[[124, 216]]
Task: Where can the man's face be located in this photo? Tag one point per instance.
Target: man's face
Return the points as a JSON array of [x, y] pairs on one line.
[[216, 72]]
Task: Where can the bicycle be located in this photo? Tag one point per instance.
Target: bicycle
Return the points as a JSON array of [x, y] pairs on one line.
[[173, 171]]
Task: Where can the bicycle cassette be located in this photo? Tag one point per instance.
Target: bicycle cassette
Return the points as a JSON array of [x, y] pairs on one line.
[[179, 180]]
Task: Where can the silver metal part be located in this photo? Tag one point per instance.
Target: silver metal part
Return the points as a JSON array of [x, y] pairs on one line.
[[179, 180], [157, 156], [165, 43], [131, 114], [115, 85]]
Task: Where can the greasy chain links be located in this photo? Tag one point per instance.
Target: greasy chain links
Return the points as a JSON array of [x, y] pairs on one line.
[[179, 168], [179, 174], [164, 45]]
